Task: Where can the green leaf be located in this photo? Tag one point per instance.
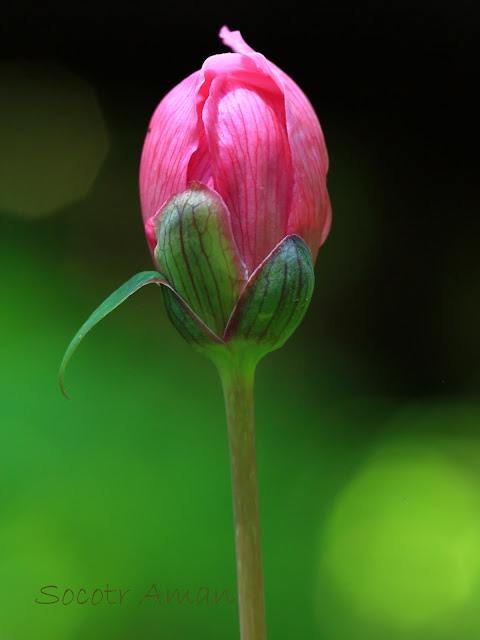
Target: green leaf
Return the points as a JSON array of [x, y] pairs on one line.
[[196, 252], [275, 299], [115, 299]]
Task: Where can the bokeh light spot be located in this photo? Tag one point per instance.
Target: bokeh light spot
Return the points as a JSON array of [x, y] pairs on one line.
[[402, 543], [53, 138]]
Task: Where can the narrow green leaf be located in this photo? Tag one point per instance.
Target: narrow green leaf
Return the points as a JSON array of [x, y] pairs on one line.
[[276, 297], [196, 252], [115, 299]]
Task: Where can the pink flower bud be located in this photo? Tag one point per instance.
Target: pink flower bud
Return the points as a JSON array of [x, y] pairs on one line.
[[243, 128]]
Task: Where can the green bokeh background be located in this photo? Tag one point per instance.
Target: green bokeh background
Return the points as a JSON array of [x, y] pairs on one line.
[[368, 419]]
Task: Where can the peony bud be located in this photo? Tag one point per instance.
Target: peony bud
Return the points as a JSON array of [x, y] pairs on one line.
[[233, 167], [243, 128]]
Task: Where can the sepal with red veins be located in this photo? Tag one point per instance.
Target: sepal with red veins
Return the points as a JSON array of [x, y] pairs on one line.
[[275, 299], [197, 254]]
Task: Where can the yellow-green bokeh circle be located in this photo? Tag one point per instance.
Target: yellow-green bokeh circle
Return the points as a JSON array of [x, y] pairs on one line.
[[402, 543]]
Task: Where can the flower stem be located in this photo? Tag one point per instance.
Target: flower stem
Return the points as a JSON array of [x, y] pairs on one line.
[[237, 380]]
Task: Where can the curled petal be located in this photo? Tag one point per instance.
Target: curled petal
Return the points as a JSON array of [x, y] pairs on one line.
[[234, 40]]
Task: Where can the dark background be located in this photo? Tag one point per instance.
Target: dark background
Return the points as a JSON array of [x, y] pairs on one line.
[[394, 88], [387, 359]]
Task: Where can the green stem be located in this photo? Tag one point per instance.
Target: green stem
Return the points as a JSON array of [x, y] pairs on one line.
[[237, 380]]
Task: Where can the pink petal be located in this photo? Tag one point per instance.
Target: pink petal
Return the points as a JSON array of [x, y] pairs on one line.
[[310, 215], [250, 156], [199, 167], [234, 40], [171, 140], [151, 234]]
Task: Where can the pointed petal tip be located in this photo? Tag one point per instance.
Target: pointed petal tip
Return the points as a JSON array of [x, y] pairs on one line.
[[224, 33], [234, 40]]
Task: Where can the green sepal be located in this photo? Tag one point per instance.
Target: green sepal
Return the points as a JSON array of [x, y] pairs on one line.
[[188, 324], [197, 253], [274, 300], [198, 331]]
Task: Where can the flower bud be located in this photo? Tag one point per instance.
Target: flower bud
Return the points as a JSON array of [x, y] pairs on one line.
[[234, 199], [242, 127]]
